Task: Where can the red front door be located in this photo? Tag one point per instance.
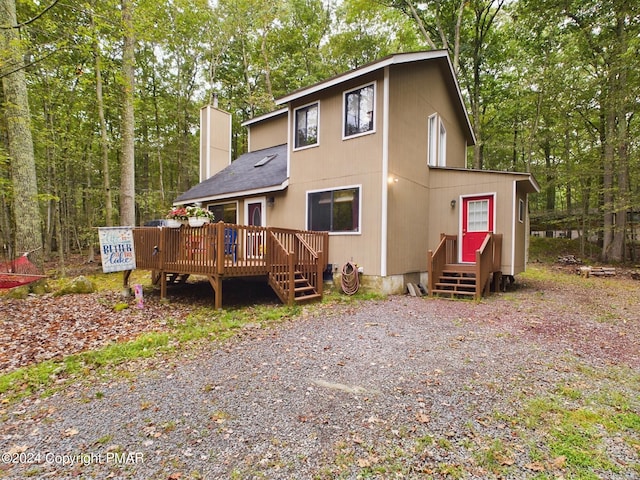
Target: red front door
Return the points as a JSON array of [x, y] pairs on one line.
[[477, 221]]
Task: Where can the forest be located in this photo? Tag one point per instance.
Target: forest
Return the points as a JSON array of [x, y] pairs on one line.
[[100, 100]]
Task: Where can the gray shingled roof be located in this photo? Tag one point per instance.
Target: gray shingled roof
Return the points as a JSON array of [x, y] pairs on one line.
[[243, 175]]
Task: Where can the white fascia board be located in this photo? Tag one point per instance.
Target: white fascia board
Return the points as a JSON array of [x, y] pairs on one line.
[[364, 70], [245, 193], [264, 117]]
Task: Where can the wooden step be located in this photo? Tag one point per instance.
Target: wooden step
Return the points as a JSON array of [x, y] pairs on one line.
[[451, 293], [456, 280], [308, 298], [303, 290]]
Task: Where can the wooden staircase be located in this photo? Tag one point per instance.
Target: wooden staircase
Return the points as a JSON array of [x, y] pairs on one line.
[[456, 281], [296, 266], [303, 290], [470, 280]]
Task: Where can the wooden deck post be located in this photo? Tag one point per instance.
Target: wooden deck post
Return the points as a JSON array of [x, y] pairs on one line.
[[292, 279], [216, 284], [219, 267]]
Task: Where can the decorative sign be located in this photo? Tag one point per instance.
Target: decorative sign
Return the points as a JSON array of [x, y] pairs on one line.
[[116, 249]]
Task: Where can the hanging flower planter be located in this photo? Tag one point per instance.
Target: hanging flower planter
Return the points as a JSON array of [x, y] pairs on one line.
[[198, 216], [197, 221], [173, 223], [192, 215]]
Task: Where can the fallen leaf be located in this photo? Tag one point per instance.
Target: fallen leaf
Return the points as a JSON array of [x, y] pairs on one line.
[[535, 466], [70, 432], [559, 462], [504, 460], [422, 417], [175, 476], [17, 449], [367, 462]]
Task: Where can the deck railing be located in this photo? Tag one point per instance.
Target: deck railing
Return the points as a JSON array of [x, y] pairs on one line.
[[224, 249]]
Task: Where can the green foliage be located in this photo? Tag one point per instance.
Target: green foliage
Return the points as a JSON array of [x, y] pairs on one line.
[[79, 284], [547, 250], [118, 307], [539, 78]]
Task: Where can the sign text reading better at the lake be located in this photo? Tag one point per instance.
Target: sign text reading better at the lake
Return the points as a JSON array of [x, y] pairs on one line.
[[116, 249]]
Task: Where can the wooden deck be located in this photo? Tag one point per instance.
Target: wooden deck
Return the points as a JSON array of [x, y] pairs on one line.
[[447, 277], [293, 261]]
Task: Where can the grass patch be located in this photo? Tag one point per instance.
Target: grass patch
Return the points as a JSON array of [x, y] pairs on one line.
[[578, 423], [205, 324], [549, 249]]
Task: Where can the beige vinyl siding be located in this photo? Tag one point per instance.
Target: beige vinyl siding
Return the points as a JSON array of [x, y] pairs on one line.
[[268, 133], [447, 185], [416, 92], [334, 164]]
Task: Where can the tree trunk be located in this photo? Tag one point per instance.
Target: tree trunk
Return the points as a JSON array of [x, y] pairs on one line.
[[622, 201], [607, 186], [156, 115], [104, 139], [28, 227], [550, 190], [127, 168]]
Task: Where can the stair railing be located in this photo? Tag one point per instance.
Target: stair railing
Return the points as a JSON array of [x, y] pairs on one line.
[[437, 260], [308, 263], [281, 269], [484, 265]]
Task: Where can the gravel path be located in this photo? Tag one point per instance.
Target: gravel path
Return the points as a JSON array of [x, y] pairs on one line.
[[398, 388]]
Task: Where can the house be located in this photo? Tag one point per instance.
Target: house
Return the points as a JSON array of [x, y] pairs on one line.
[[376, 157]]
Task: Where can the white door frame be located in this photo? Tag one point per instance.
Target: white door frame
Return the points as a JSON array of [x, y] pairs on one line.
[[255, 241]]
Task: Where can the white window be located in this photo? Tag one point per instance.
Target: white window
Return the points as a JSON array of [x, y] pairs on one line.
[[478, 216], [442, 146], [334, 210], [437, 142], [306, 126], [226, 212], [359, 111]]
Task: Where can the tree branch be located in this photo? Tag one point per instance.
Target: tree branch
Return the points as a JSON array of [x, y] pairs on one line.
[[23, 24]]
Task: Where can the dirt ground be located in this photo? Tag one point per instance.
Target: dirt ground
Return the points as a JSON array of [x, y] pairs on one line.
[[596, 316], [536, 382]]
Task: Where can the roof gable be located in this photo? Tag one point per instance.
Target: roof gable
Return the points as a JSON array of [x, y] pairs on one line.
[[440, 56]]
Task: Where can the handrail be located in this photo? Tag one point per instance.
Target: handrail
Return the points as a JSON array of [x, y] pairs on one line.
[[484, 265], [281, 275], [306, 245], [311, 268], [438, 259]]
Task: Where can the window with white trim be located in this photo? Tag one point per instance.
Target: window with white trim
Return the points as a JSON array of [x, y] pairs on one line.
[[334, 210], [306, 126], [436, 142], [359, 111], [442, 146], [521, 211], [478, 215], [226, 212]]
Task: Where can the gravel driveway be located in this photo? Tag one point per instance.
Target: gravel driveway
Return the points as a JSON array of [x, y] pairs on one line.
[[397, 388]]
